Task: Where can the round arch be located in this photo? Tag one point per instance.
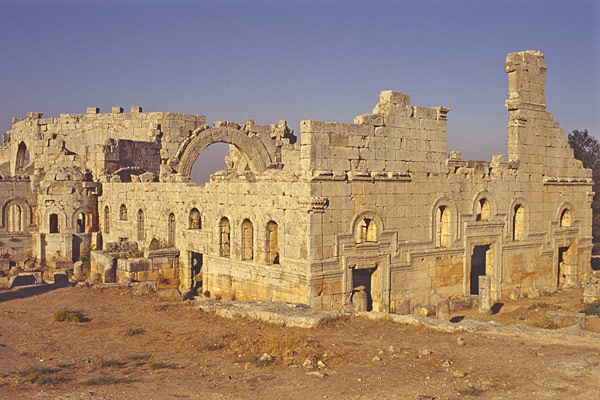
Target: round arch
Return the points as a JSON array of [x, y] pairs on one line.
[[251, 147], [26, 214]]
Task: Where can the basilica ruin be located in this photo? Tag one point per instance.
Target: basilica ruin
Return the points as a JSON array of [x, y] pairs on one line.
[[376, 207]]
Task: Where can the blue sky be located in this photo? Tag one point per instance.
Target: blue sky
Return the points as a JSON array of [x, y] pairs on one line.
[[295, 60]]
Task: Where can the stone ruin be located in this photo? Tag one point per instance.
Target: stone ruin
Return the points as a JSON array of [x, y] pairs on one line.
[[371, 215]]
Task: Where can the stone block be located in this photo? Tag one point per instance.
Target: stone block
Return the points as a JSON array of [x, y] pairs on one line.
[[566, 318], [136, 109], [372, 119], [61, 278], [92, 110], [117, 110], [22, 279], [390, 96]]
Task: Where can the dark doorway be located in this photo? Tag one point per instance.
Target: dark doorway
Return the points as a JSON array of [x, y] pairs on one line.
[[478, 262], [361, 278], [196, 262], [560, 276]]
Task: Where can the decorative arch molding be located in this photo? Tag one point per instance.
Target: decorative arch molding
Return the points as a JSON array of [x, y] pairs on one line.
[[88, 222], [251, 147], [372, 216], [26, 214], [521, 202], [62, 219], [434, 222], [493, 211], [565, 206]]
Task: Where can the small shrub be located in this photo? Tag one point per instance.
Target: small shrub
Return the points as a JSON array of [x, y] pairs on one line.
[[66, 315], [137, 253], [40, 376], [157, 244], [104, 363], [139, 359], [592, 309], [154, 365], [134, 331], [103, 380]]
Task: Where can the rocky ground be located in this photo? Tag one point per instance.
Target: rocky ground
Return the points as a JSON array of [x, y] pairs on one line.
[[140, 346]]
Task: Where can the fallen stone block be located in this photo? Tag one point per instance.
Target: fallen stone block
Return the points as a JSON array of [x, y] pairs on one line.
[[591, 293], [61, 278], [25, 278], [566, 318]]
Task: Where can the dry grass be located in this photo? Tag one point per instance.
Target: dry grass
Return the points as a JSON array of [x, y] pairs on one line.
[[134, 331], [101, 362], [40, 376], [66, 315], [154, 365], [103, 380], [289, 346]]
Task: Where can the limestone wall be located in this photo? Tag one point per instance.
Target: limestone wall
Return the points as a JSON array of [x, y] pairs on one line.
[[390, 167]]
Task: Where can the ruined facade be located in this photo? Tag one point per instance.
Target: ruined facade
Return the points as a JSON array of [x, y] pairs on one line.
[[375, 207]]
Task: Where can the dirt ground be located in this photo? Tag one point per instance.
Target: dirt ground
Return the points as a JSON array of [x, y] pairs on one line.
[[132, 346]]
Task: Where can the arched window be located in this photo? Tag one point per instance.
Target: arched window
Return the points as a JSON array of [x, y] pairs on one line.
[[106, 220], [224, 244], [483, 210], [140, 225], [15, 218], [443, 228], [80, 223], [195, 221], [518, 223], [123, 213], [565, 218], [22, 157], [247, 240], [272, 243], [54, 223], [367, 231], [171, 230]]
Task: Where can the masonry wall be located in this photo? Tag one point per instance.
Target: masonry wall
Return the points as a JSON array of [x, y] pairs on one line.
[[391, 167]]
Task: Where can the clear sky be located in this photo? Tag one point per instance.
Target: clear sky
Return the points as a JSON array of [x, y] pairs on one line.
[[296, 60]]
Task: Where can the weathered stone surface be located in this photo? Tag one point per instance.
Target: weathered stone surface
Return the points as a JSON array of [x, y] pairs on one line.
[[591, 292], [375, 203], [566, 318], [288, 314], [22, 279]]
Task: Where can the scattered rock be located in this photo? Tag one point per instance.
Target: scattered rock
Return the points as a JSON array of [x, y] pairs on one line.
[[266, 357], [169, 294], [318, 374], [534, 294], [425, 397], [307, 363], [459, 374], [442, 310], [376, 358], [392, 349], [514, 295], [424, 352], [447, 363], [321, 364], [460, 341]]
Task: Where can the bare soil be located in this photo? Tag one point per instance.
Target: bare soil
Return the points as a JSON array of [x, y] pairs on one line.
[[131, 346]]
